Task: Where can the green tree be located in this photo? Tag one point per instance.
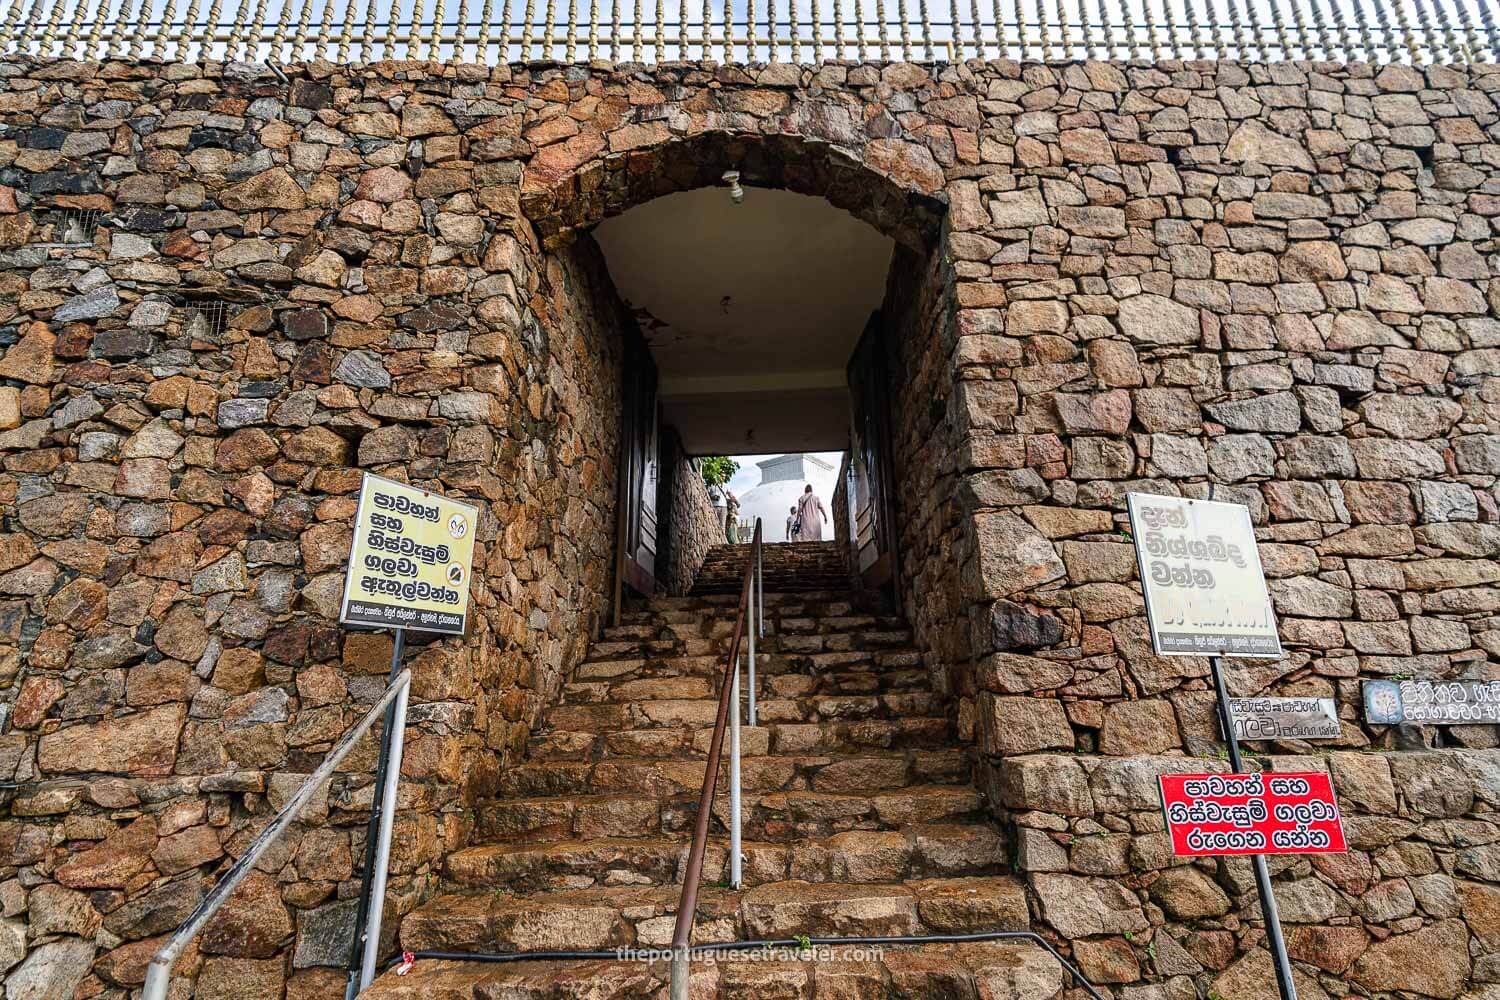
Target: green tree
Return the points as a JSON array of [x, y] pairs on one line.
[[717, 471]]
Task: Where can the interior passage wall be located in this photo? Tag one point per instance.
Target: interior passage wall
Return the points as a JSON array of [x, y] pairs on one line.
[[838, 509], [693, 526], [178, 491], [919, 335]]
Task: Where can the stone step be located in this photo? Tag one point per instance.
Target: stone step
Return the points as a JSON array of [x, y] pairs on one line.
[[719, 566], [834, 601], [783, 739], [773, 817], [782, 558], [798, 652], [623, 680], [732, 560], [919, 851], [720, 572], [783, 579], [728, 581], [820, 708], [666, 776], [674, 662], [792, 633], [783, 657], [632, 916], [782, 553], [732, 570], [702, 711], [858, 813], [838, 624], [662, 627], [607, 716], [990, 970], [793, 738], [779, 607], [712, 585], [725, 572]]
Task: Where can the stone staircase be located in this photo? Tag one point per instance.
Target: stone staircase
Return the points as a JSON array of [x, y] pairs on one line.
[[860, 819], [789, 567]]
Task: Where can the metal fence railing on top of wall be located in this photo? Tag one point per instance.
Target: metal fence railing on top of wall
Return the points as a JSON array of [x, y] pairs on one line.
[[753, 31]]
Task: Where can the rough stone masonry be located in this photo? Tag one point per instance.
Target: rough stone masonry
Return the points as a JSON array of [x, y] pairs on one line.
[[1274, 283]]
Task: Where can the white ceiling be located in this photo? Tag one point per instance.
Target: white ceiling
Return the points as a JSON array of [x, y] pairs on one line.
[[751, 310]]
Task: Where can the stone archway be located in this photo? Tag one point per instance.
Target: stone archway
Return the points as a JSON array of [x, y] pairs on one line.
[[894, 185], [819, 148]]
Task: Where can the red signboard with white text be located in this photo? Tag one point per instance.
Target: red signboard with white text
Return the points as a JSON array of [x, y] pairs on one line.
[[1219, 814]]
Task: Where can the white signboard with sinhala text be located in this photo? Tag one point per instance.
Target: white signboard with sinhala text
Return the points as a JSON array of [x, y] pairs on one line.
[[410, 562], [1201, 576], [1264, 718]]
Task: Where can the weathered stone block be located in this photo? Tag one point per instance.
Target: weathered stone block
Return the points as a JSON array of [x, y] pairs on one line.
[[1188, 894], [1134, 728], [1023, 725], [1012, 555], [1047, 783], [1433, 961], [1080, 907], [144, 743]]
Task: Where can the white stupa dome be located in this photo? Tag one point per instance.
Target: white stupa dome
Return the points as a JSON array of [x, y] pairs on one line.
[[782, 480]]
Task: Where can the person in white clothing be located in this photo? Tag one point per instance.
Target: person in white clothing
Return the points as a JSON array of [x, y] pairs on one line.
[[809, 510], [791, 525]]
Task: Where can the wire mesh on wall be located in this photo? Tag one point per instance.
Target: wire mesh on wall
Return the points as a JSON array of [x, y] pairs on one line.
[[754, 31]]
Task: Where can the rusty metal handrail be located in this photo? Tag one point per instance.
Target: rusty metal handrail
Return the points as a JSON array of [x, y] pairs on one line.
[[687, 906]]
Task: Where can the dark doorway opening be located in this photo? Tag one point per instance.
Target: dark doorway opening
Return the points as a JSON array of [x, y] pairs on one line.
[[761, 326], [758, 331]]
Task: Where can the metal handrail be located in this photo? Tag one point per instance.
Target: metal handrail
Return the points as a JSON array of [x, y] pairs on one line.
[[159, 972], [729, 690], [751, 607]]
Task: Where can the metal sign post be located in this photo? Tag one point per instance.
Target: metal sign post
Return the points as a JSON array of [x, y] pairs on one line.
[[1279, 959], [409, 567], [1206, 595], [378, 843]]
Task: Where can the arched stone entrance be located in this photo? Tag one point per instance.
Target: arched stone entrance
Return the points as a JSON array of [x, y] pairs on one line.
[[893, 185], [814, 147]]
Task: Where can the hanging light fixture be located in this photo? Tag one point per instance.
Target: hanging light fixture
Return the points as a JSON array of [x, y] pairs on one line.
[[736, 193]]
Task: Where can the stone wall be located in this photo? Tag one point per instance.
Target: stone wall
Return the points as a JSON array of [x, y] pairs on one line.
[[1272, 284], [692, 525], [1413, 906], [177, 496]]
